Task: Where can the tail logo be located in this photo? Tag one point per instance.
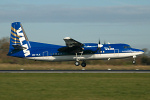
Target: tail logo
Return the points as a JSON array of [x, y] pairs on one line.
[[18, 38]]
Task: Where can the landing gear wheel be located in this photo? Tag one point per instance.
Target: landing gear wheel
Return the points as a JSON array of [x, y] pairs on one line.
[[83, 64], [77, 63], [134, 62]]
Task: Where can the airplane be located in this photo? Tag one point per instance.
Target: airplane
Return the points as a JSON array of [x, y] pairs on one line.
[[76, 51]]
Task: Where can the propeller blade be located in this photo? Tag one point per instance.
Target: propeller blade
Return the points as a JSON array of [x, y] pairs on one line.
[[99, 42], [104, 42], [99, 46]]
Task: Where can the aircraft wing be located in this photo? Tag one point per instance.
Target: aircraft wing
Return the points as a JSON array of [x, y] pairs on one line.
[[72, 46], [71, 42]]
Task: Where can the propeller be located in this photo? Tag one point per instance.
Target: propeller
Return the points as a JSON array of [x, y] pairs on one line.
[[99, 46]]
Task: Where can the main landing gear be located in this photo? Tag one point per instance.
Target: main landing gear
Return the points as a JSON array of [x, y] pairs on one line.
[[83, 64], [77, 63]]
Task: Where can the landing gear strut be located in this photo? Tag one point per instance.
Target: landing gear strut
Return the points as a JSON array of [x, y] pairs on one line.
[[134, 61]]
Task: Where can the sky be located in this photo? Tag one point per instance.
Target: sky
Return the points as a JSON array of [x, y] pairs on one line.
[[49, 21]]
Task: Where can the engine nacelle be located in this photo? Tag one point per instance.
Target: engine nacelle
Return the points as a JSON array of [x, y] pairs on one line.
[[90, 47]]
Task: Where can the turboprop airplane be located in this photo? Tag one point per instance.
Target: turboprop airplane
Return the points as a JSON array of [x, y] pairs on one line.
[[76, 51]]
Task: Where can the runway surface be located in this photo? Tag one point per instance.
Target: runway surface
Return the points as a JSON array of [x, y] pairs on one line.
[[74, 71]]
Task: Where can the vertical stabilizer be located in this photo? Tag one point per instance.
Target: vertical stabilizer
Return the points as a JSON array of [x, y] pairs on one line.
[[19, 42]]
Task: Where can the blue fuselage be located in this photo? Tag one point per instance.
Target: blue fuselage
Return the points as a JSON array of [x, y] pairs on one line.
[[42, 49]]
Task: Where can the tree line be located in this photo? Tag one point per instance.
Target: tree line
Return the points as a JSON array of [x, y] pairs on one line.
[[4, 48]]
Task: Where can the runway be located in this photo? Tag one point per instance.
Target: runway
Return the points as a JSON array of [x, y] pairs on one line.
[[74, 71]]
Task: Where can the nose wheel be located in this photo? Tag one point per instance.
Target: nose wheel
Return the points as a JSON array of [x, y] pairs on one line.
[[134, 62]]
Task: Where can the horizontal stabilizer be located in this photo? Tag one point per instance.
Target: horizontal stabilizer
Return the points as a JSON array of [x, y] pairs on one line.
[[18, 47]]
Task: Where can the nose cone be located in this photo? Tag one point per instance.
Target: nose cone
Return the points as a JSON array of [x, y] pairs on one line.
[[141, 51], [138, 51]]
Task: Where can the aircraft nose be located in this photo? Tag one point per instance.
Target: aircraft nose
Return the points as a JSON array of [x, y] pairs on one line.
[[142, 51], [138, 51]]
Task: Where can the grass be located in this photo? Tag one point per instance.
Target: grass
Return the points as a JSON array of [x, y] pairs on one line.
[[19, 86], [70, 67]]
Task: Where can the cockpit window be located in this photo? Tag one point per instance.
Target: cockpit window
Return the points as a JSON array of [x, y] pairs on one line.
[[127, 47]]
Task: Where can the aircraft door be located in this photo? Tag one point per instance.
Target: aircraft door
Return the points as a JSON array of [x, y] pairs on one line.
[[116, 52], [45, 53]]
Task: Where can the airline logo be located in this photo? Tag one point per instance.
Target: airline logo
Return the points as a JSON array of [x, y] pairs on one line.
[[106, 48], [18, 38]]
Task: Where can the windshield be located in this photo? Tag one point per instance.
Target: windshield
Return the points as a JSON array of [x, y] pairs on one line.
[[127, 47]]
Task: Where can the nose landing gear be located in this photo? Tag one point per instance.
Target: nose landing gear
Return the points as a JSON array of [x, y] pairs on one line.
[[134, 61]]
